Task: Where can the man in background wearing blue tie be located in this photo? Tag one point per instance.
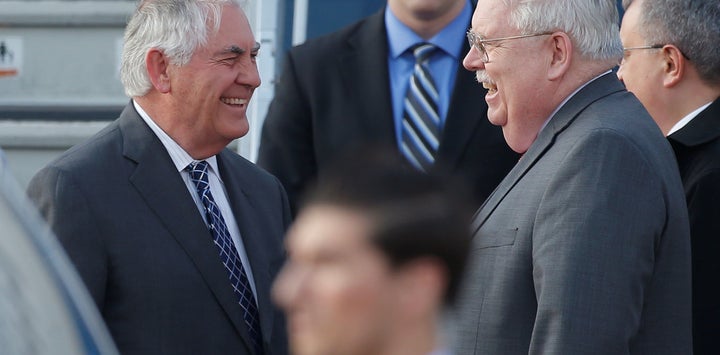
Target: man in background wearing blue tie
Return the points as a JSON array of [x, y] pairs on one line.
[[177, 238], [391, 80]]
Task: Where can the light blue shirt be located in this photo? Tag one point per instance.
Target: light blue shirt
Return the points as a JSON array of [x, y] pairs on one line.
[[443, 63]]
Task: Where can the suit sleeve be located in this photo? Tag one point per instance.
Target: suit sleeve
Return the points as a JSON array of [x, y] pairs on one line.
[[594, 245], [63, 205], [286, 145]]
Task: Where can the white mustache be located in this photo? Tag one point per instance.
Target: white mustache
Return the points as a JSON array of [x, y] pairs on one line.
[[482, 77]]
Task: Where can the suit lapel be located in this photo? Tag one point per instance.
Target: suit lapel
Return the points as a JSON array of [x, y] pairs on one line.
[[157, 180], [364, 68], [599, 88]]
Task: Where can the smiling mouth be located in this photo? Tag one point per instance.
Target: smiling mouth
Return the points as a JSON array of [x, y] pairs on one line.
[[234, 101], [491, 88], [486, 82]]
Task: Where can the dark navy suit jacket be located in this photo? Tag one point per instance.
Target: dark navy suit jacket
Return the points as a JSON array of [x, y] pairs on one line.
[[130, 226]]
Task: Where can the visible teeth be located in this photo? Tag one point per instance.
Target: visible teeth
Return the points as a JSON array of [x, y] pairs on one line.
[[487, 83], [489, 86], [233, 101]]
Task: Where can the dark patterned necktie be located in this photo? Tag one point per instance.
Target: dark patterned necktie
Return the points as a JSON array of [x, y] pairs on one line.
[[420, 129], [228, 253]]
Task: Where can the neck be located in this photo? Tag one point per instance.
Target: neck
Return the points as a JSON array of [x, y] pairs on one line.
[[580, 73], [412, 339], [426, 23], [681, 101]]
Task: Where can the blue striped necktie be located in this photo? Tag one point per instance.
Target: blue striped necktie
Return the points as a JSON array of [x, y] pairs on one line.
[[228, 253], [420, 129]]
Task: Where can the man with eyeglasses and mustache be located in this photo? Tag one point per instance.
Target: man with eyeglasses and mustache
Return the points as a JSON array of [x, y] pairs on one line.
[[584, 246]]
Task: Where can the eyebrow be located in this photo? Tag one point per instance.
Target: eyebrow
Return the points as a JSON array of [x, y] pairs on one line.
[[234, 49]]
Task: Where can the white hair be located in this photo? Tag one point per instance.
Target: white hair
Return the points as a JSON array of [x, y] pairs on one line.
[[176, 27], [592, 25]]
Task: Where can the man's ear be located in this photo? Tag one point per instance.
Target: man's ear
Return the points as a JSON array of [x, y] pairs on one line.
[[423, 285], [157, 66], [562, 52], [674, 65]]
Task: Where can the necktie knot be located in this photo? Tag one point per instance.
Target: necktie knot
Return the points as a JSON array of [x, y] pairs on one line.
[[198, 172], [422, 52]]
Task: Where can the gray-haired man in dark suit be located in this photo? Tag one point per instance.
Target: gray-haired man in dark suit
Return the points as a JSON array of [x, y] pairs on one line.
[[177, 238]]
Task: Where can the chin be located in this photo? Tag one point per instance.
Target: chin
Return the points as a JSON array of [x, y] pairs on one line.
[[238, 130], [519, 146], [510, 141]]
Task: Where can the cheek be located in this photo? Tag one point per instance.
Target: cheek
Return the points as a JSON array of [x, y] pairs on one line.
[[351, 305], [348, 294], [346, 313], [634, 81]]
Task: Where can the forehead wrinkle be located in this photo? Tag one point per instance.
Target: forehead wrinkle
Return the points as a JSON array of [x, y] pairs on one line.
[[480, 22]]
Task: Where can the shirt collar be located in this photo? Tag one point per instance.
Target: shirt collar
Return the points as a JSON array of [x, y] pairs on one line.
[[689, 117], [401, 37], [179, 156], [570, 97]]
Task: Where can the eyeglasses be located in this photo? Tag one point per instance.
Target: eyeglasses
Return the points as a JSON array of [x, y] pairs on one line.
[[479, 43], [652, 46]]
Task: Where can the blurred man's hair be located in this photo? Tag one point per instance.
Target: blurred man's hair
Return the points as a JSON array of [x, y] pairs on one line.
[[412, 214]]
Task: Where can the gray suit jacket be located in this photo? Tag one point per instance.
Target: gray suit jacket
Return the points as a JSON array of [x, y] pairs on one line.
[[129, 224], [584, 247]]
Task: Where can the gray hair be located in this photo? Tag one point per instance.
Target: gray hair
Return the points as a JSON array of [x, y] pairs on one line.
[[693, 26], [592, 25], [176, 27]]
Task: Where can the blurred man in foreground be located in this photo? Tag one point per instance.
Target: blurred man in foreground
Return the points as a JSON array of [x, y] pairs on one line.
[[374, 256]]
